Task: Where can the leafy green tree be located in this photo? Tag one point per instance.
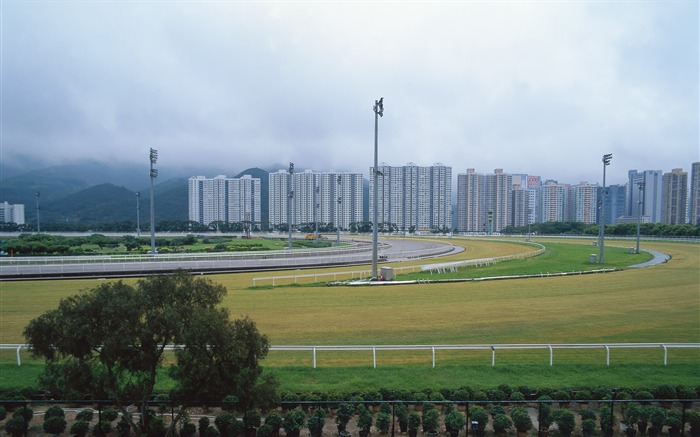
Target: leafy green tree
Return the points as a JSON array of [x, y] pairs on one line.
[[117, 334]]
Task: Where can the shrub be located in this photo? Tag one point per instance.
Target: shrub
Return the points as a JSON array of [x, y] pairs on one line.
[[54, 424], [203, 425], [364, 420], [293, 420], [101, 428], [188, 429], [517, 396], [501, 423], [587, 414], [665, 391], [3, 412], [479, 415], [25, 413], [657, 416], [124, 427], [607, 419], [264, 431], [251, 419], [80, 428], [497, 409], [588, 425], [583, 395], [521, 419], [674, 420], [431, 419], [454, 420], [229, 403], [85, 415], [565, 421], [413, 420], [228, 425], [274, 421], [544, 413], [16, 426], [343, 415], [383, 422], [211, 431], [110, 415], [316, 421], [54, 411]]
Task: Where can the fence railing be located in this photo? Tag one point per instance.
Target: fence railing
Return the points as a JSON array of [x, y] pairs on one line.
[[550, 348]]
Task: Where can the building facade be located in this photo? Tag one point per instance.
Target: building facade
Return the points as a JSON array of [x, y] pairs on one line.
[[230, 200], [411, 197], [675, 197], [649, 199], [12, 213], [694, 204]]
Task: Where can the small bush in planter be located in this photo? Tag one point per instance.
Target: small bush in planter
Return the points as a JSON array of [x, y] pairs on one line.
[[364, 421], [517, 396], [211, 431], [665, 391], [316, 421], [383, 422], [110, 415], [587, 414], [497, 409], [401, 412], [501, 423], [16, 426], [85, 415], [188, 429], [413, 423], [587, 426], [565, 421], [657, 418], [101, 428], [583, 396], [632, 416], [54, 424], [674, 420], [454, 422], [274, 421], [264, 431], [203, 425], [480, 416], [293, 421], [521, 419], [563, 397], [693, 419], [544, 413], [54, 411], [431, 419], [607, 420], [343, 415], [80, 428]]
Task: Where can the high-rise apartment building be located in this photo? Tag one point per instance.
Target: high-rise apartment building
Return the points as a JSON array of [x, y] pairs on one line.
[[675, 196], [413, 198], [584, 200], [329, 198], [695, 194], [231, 200], [615, 203], [484, 202], [471, 202], [651, 195], [10, 213], [553, 202]]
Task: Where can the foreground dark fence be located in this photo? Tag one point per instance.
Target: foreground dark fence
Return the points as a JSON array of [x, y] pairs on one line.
[[680, 417]]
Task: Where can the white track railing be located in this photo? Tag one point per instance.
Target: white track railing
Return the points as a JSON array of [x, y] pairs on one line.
[[434, 348]]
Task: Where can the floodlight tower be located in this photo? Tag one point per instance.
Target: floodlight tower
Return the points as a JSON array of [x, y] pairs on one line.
[[601, 231], [138, 214], [289, 203], [378, 112], [38, 224], [640, 205], [337, 214], [154, 174]]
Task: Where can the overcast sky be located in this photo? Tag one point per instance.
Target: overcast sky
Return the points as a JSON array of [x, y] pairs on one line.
[[538, 87]]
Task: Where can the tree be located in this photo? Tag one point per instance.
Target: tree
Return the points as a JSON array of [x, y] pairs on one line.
[[116, 334]]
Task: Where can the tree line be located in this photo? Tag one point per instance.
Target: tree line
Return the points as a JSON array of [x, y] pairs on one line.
[[624, 229]]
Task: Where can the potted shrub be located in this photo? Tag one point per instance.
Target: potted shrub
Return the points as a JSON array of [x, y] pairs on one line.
[[674, 420], [293, 421], [264, 430], [454, 422], [383, 422], [665, 391], [364, 421], [563, 397], [274, 421], [587, 427], [565, 421], [501, 424], [693, 419], [316, 421], [632, 415], [203, 425], [343, 416], [413, 423], [251, 421], [188, 429], [431, 418], [401, 412], [521, 420], [54, 420], [607, 420], [79, 428], [544, 414], [582, 397], [657, 417], [481, 417]]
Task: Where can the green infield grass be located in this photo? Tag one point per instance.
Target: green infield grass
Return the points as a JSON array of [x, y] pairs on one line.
[[655, 304]]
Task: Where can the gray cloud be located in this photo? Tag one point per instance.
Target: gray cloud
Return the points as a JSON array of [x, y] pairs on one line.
[[544, 88]]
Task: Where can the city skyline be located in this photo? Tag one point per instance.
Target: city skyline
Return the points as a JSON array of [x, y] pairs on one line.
[[543, 88]]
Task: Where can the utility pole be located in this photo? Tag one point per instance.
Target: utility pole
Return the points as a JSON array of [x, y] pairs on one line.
[[378, 112], [601, 231], [154, 174]]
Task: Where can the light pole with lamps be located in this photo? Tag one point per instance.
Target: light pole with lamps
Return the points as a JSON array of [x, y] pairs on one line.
[[601, 231], [640, 205], [316, 192], [154, 174], [138, 214], [289, 203], [38, 223], [337, 213], [378, 112]]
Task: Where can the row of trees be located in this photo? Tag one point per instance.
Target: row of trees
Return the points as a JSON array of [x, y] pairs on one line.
[[624, 229]]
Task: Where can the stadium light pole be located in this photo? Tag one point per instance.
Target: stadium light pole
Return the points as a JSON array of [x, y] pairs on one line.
[[154, 174], [337, 214], [289, 203], [38, 223], [378, 112], [640, 204], [601, 231], [138, 214]]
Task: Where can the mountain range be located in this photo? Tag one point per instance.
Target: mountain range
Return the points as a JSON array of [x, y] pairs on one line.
[[94, 192]]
